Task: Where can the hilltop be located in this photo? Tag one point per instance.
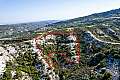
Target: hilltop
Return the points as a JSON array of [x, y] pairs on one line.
[[109, 19]]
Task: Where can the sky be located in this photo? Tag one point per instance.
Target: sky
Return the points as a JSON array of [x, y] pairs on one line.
[[19, 11]]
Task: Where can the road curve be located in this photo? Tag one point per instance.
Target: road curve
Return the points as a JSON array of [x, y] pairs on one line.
[[101, 40]]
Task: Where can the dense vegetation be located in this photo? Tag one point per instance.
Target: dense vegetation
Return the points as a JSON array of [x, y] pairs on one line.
[[23, 65]]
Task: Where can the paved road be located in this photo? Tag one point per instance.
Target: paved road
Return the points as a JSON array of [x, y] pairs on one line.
[[101, 40]]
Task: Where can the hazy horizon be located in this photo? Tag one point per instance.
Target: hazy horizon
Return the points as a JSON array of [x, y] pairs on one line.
[[20, 11]]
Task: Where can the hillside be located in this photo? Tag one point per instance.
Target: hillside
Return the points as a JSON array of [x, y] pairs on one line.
[[109, 18], [84, 48], [105, 25]]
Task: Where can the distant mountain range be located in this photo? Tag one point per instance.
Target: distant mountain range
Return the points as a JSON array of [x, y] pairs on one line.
[[28, 26], [18, 30]]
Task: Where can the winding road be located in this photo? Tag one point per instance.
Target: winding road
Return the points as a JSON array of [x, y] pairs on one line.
[[101, 40]]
